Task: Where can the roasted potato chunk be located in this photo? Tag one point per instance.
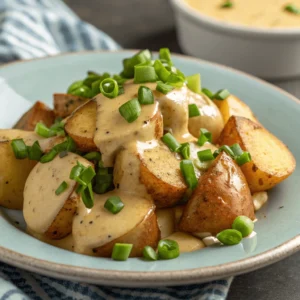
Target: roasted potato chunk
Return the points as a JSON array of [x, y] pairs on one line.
[[145, 234], [161, 175], [166, 221], [233, 106], [81, 126], [65, 104], [272, 162], [222, 195], [39, 112]]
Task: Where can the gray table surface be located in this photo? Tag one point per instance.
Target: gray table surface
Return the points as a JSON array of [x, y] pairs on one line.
[[150, 24]]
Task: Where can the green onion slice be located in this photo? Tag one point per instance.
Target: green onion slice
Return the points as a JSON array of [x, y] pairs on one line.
[[188, 172], [205, 155], [103, 181], [194, 83], [87, 196], [93, 156], [227, 4], [236, 149], [193, 110], [74, 86], [171, 142], [62, 187], [109, 88], [243, 158], [162, 73], [19, 148], [43, 130], [145, 95], [208, 93], [149, 253], [228, 150], [114, 204], [87, 175], [76, 171], [164, 88], [292, 9], [175, 80], [205, 136], [143, 74], [164, 54], [48, 156], [168, 249], [35, 152], [83, 91], [185, 150], [121, 251], [221, 94], [130, 110]]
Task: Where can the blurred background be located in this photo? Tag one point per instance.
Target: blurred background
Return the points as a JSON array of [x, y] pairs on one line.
[[150, 24]]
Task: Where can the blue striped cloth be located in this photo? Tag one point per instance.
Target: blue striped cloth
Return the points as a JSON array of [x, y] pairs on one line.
[[37, 28]]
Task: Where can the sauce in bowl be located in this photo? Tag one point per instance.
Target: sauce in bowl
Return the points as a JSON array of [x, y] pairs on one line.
[[254, 13]]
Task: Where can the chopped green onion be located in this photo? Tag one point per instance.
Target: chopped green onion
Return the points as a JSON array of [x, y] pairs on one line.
[[149, 253], [96, 87], [162, 73], [175, 80], [93, 73], [145, 95], [35, 152], [19, 148], [74, 86], [91, 79], [229, 237], [205, 155], [185, 150], [103, 181], [164, 88], [164, 54], [43, 130], [130, 110], [205, 136], [243, 158], [63, 186], [188, 172], [292, 9], [114, 204], [227, 4], [144, 74], [221, 95], [193, 111], [88, 196], [228, 150], [194, 83], [208, 93], [87, 175], [236, 149], [83, 91], [244, 225], [121, 251], [168, 249], [71, 145], [93, 156], [76, 171], [109, 88], [171, 142], [48, 156]]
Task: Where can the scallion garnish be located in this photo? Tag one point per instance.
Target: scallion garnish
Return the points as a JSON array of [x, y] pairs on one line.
[[185, 150], [145, 95], [121, 251], [175, 80], [114, 204], [194, 83], [130, 110], [103, 181], [168, 249], [205, 136], [43, 130], [243, 158], [76, 171], [83, 91], [109, 88], [93, 156], [205, 155], [221, 94], [35, 152], [62, 187], [87, 196], [164, 88], [149, 253], [162, 73], [20, 149], [208, 93], [292, 9], [227, 4], [48, 156], [143, 74], [188, 172], [74, 86], [193, 111], [236, 149], [171, 142], [164, 54]]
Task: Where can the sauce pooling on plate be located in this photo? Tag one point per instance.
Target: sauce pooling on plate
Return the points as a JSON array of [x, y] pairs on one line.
[[254, 13]]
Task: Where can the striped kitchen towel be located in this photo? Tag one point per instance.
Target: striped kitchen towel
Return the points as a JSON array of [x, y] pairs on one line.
[[37, 28]]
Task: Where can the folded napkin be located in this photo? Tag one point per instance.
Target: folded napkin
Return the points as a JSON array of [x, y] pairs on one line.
[[37, 28]]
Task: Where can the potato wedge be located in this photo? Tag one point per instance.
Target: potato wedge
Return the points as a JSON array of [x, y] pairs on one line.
[[81, 126], [272, 162], [210, 117], [145, 234], [39, 112], [222, 195], [161, 175], [14, 173], [65, 104], [44, 211], [233, 106], [166, 221]]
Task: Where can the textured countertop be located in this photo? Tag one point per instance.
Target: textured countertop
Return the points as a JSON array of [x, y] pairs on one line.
[[149, 24]]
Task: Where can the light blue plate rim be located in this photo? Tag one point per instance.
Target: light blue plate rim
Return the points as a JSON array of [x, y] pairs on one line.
[[154, 278]]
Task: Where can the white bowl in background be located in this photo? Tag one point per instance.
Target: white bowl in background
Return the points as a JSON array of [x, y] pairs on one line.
[[267, 53]]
